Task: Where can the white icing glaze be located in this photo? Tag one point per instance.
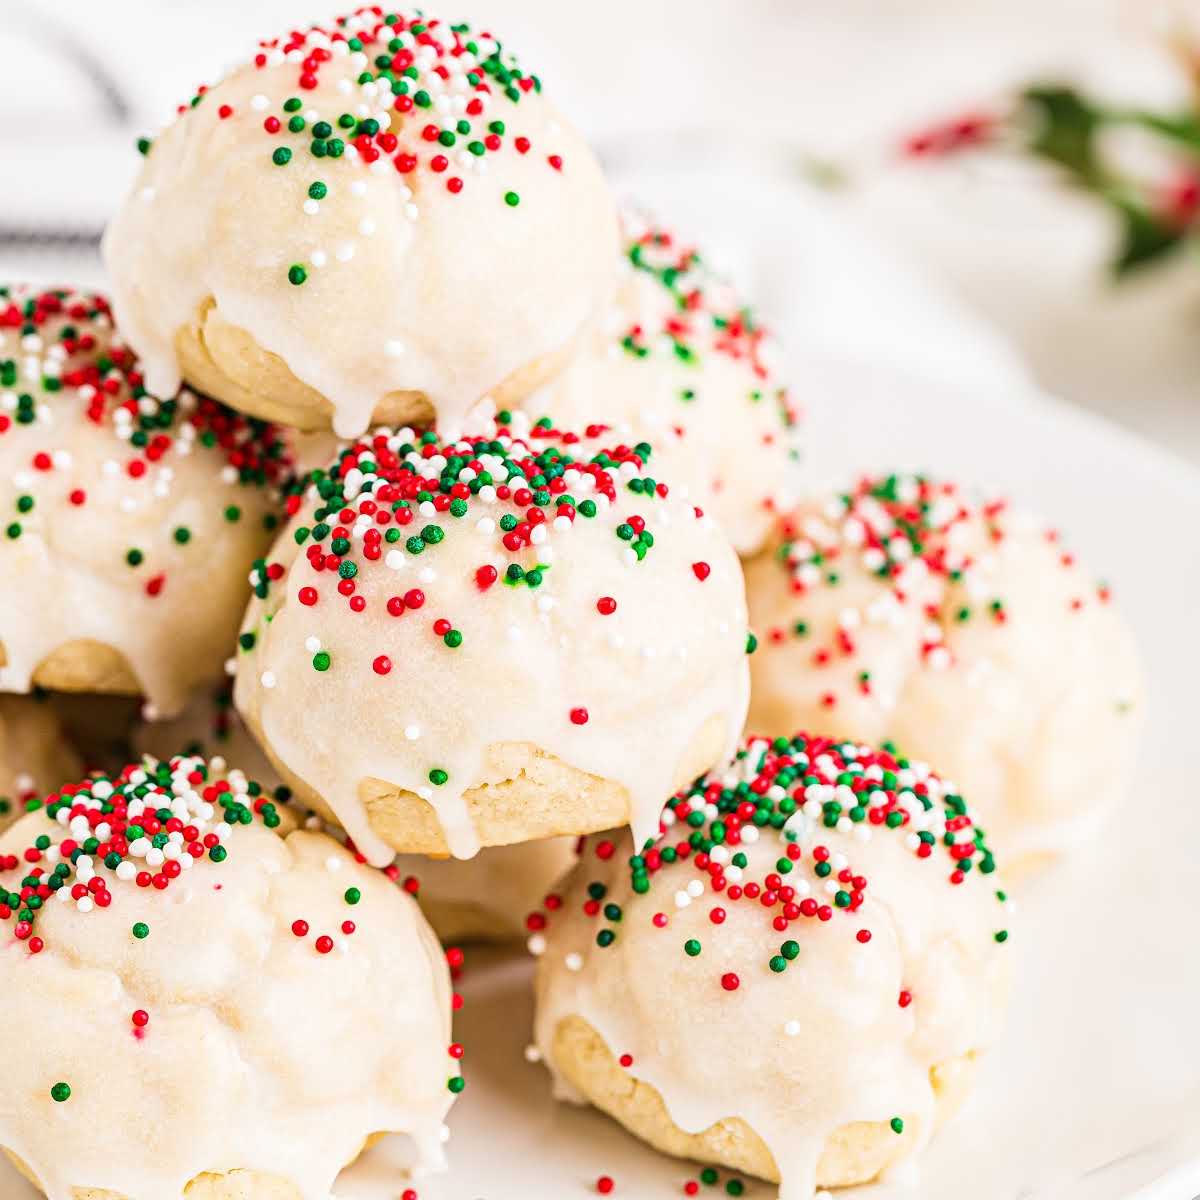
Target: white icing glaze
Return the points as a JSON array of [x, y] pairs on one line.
[[679, 361], [395, 297], [260, 1052], [35, 754], [1018, 706], [100, 501], [801, 1053], [650, 676], [500, 886]]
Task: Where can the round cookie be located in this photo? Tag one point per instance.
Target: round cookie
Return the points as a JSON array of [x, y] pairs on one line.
[[680, 362], [964, 633], [383, 219], [794, 979], [489, 897], [507, 637], [130, 522], [35, 754], [194, 961]]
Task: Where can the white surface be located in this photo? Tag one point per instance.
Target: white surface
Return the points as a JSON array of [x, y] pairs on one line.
[[1094, 1093], [667, 83]]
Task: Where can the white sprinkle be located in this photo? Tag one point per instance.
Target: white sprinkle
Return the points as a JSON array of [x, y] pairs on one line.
[[393, 348], [259, 102], [267, 679], [573, 961], [532, 1053], [412, 732], [792, 1028]]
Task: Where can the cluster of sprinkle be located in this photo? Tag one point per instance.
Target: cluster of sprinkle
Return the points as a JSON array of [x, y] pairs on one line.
[[413, 94], [391, 497], [908, 531], [57, 347], [146, 828], [143, 828], [797, 792], [703, 317]]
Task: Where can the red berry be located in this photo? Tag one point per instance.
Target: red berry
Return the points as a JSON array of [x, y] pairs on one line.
[[701, 570], [604, 1185], [382, 665], [324, 944], [579, 716], [300, 928], [730, 982], [606, 606]]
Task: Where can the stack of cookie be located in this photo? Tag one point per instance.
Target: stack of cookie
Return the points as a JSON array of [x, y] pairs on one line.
[[498, 627]]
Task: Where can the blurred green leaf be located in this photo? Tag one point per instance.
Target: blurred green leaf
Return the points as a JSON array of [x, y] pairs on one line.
[[1065, 133], [1144, 238]]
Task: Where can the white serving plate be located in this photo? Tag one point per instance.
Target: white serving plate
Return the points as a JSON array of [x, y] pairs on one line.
[[1094, 1093]]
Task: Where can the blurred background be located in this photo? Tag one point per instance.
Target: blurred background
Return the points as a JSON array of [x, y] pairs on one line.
[[863, 167]]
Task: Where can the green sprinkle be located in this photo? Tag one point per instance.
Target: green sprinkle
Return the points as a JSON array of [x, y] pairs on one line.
[[512, 199], [437, 776], [296, 274], [282, 156], [897, 1125], [691, 947], [141, 931], [320, 661], [352, 895], [60, 1092]]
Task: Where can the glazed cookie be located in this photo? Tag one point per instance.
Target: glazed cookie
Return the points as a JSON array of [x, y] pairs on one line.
[[680, 362], [35, 754], [196, 961], [963, 632], [491, 896], [121, 510], [507, 637], [794, 979], [307, 240]]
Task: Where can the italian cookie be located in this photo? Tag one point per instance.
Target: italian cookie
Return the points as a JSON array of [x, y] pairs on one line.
[[131, 521], [490, 897], [965, 633], [237, 1010], [509, 636], [679, 361], [35, 754], [485, 898], [382, 219], [794, 980]]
